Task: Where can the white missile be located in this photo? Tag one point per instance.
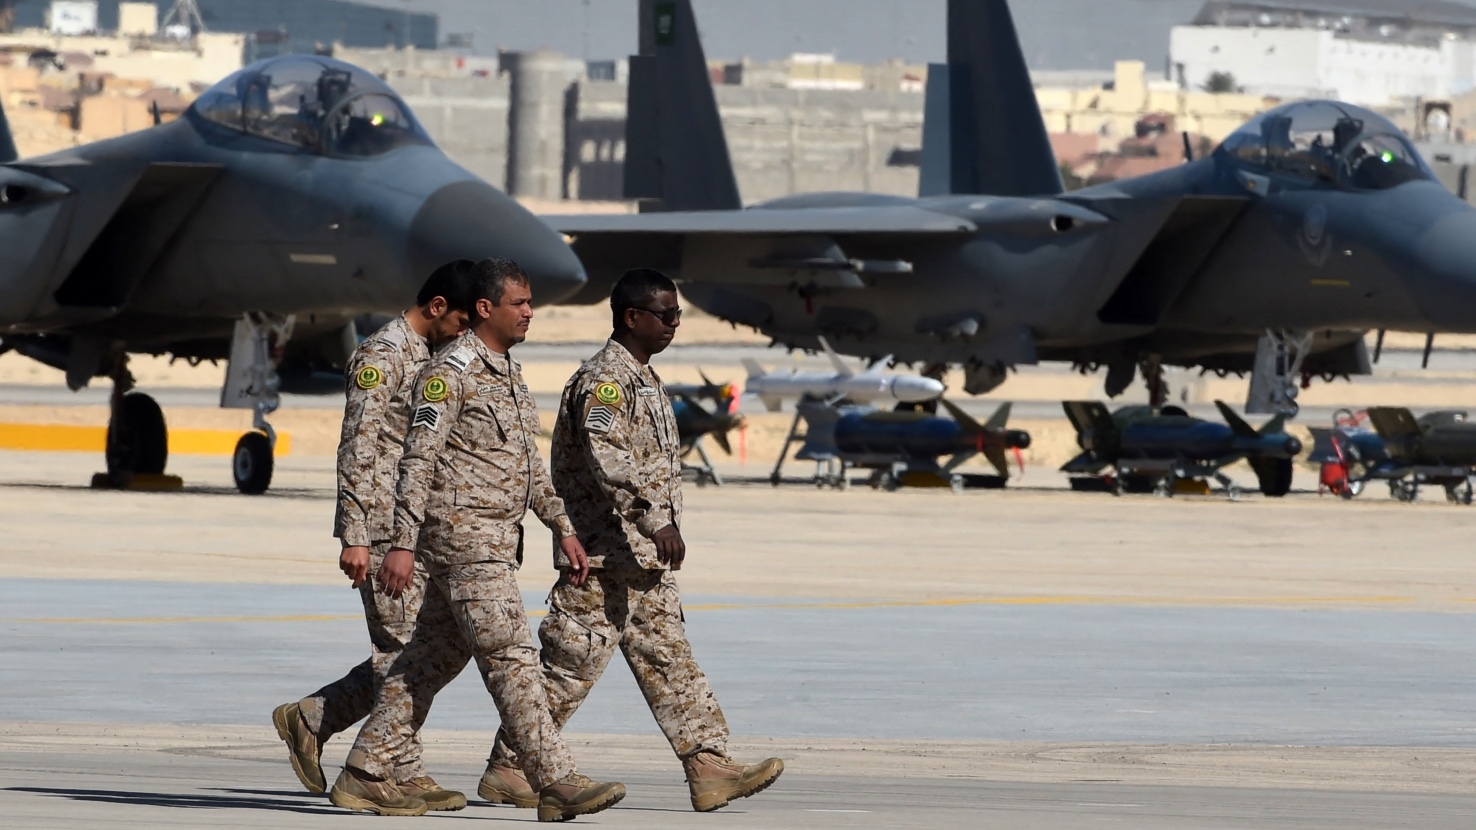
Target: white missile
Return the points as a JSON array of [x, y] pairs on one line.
[[869, 386]]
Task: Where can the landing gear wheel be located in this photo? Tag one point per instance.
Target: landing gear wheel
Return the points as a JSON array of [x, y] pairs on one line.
[[252, 463], [138, 440], [1458, 492], [1404, 491], [1276, 477]]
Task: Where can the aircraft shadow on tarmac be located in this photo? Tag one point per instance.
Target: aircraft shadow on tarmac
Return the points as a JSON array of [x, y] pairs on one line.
[[232, 800]]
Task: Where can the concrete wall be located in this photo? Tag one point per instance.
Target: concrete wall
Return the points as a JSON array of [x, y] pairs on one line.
[[1308, 63], [467, 118], [782, 141]]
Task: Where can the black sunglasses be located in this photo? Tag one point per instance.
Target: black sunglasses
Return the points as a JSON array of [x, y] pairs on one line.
[[669, 317]]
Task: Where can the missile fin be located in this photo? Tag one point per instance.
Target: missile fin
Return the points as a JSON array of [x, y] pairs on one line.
[[840, 365], [969, 425], [1000, 419], [755, 369], [1237, 424]]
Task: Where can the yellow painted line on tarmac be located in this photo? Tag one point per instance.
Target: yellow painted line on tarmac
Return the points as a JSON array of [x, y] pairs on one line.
[[1203, 602], [73, 438]]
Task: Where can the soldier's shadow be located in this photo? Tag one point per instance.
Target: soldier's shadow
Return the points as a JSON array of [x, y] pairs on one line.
[[284, 801]]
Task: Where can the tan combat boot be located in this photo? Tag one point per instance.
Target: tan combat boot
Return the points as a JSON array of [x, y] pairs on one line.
[[715, 780], [434, 795], [505, 785], [354, 793], [302, 746], [577, 795]]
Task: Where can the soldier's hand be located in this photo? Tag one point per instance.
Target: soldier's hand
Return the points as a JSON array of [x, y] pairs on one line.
[[578, 560], [670, 548], [354, 562], [396, 572]]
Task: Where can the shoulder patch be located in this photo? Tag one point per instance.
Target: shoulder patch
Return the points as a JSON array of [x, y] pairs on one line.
[[426, 415], [458, 359], [435, 390], [608, 394], [599, 420], [369, 377]]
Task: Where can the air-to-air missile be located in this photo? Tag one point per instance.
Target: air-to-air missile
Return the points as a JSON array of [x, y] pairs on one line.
[[695, 422], [1436, 448], [844, 384], [905, 447], [1142, 446]]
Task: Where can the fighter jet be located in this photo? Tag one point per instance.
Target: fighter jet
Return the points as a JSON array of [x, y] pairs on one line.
[[1313, 223], [292, 196], [1436, 448], [906, 446], [1141, 444], [844, 383]]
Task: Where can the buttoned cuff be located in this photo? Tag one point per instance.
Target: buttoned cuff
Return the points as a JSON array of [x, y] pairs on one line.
[[653, 521]]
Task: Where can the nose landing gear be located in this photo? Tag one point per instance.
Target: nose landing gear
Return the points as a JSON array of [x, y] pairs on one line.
[[137, 445], [252, 383]]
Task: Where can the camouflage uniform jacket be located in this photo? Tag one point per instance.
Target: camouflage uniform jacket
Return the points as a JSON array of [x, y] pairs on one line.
[[381, 379], [470, 470], [617, 460]]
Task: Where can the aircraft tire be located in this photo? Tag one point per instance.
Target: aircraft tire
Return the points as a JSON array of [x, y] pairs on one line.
[[252, 463], [138, 439], [1276, 477]]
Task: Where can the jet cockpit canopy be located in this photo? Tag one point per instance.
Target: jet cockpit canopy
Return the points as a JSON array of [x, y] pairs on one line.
[[314, 103], [1331, 142]]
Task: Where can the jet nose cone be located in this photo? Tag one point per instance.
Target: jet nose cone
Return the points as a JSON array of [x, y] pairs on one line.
[[912, 388], [1443, 279], [473, 220]]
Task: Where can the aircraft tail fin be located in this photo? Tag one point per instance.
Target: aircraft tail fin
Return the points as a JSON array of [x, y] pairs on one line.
[[840, 365], [994, 139], [8, 153], [675, 150]]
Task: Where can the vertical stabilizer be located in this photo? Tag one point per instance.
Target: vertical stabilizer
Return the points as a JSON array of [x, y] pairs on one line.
[[675, 150], [7, 143], [996, 140]]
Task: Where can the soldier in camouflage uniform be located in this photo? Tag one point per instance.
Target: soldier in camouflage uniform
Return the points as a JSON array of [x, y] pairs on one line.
[[469, 473], [380, 381], [617, 464]]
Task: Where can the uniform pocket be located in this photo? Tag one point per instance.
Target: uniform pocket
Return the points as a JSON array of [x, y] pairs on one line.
[[488, 608]]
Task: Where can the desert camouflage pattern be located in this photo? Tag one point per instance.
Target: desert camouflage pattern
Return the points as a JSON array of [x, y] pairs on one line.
[[380, 378], [617, 460], [640, 612], [470, 470], [471, 611], [375, 420], [346, 701]]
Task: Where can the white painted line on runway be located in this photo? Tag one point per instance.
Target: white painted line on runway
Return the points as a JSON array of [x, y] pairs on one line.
[[836, 811]]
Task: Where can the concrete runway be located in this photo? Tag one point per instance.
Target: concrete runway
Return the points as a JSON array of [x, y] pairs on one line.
[[1021, 659]]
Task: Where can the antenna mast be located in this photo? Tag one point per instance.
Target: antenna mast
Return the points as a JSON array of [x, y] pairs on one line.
[[185, 13]]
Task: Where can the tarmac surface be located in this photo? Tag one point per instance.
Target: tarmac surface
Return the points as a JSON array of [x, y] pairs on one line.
[[1026, 658]]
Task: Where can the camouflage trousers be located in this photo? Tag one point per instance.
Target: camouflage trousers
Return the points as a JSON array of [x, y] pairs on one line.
[[640, 612], [470, 612], [348, 700]]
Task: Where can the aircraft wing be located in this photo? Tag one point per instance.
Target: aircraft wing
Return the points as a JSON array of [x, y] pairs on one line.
[[899, 220], [91, 234]]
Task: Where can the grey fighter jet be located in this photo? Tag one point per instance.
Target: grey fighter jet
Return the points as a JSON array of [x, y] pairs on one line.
[[293, 196], [1311, 224]]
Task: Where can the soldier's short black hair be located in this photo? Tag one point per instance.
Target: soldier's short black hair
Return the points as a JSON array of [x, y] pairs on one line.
[[491, 276], [636, 288], [453, 282]]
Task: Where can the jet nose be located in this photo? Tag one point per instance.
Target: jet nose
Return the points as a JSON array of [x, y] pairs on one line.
[[912, 389], [1442, 251], [473, 220]]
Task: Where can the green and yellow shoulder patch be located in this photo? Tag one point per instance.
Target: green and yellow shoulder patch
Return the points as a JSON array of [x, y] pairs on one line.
[[435, 390], [608, 394], [369, 377]]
